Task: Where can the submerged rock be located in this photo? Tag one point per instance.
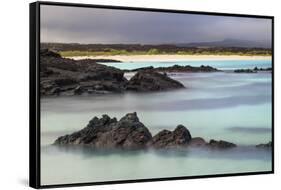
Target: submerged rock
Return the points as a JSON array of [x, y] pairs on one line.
[[254, 70], [220, 144], [266, 145], [244, 71]]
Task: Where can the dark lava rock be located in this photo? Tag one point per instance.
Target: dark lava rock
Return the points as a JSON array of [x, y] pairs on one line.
[[244, 71], [187, 68], [147, 81], [130, 133], [180, 137], [177, 68], [62, 76], [106, 61], [266, 145], [101, 72], [197, 142], [46, 52], [107, 132], [255, 70], [220, 144], [262, 69]]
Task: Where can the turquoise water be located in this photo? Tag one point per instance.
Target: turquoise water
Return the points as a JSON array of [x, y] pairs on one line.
[[220, 64], [228, 106]]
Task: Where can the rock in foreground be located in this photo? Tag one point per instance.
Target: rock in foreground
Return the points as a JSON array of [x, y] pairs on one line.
[[107, 132], [197, 142], [169, 139], [130, 133]]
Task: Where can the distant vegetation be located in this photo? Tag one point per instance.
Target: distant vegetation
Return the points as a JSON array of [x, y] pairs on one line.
[[69, 50]]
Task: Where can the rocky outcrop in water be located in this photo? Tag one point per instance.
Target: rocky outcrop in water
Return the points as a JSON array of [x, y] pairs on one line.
[[197, 142], [107, 132], [244, 71], [169, 139], [177, 69], [266, 145], [130, 133], [255, 70], [220, 144], [148, 81], [62, 76]]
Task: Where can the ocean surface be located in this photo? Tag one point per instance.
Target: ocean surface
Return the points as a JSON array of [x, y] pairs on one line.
[[219, 64], [222, 105]]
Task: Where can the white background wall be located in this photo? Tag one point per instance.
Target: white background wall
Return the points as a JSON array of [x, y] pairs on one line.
[[14, 75]]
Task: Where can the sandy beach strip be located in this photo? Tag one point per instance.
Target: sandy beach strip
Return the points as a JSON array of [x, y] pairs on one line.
[[169, 58]]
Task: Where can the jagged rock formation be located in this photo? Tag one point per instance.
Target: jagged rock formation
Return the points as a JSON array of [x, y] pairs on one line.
[[62, 76], [168, 139], [147, 81], [107, 132], [197, 142], [130, 133]]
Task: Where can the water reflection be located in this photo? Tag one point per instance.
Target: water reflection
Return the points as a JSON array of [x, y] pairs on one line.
[[238, 153]]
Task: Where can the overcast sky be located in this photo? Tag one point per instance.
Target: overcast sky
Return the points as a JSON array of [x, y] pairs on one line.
[[90, 25]]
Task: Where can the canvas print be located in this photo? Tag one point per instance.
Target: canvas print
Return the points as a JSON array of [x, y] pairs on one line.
[[143, 94]]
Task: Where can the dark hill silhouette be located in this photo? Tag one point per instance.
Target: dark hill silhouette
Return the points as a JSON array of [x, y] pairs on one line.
[[228, 43]]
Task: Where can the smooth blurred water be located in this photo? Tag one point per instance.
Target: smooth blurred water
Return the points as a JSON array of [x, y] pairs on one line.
[[219, 64], [228, 106], [70, 165]]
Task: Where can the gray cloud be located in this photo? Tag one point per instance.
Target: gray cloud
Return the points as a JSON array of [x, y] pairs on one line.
[[91, 25]]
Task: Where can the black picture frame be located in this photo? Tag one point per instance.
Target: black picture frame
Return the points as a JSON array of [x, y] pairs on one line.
[[34, 94]]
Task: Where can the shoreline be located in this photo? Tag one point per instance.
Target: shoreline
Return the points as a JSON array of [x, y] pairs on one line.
[[170, 57]]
